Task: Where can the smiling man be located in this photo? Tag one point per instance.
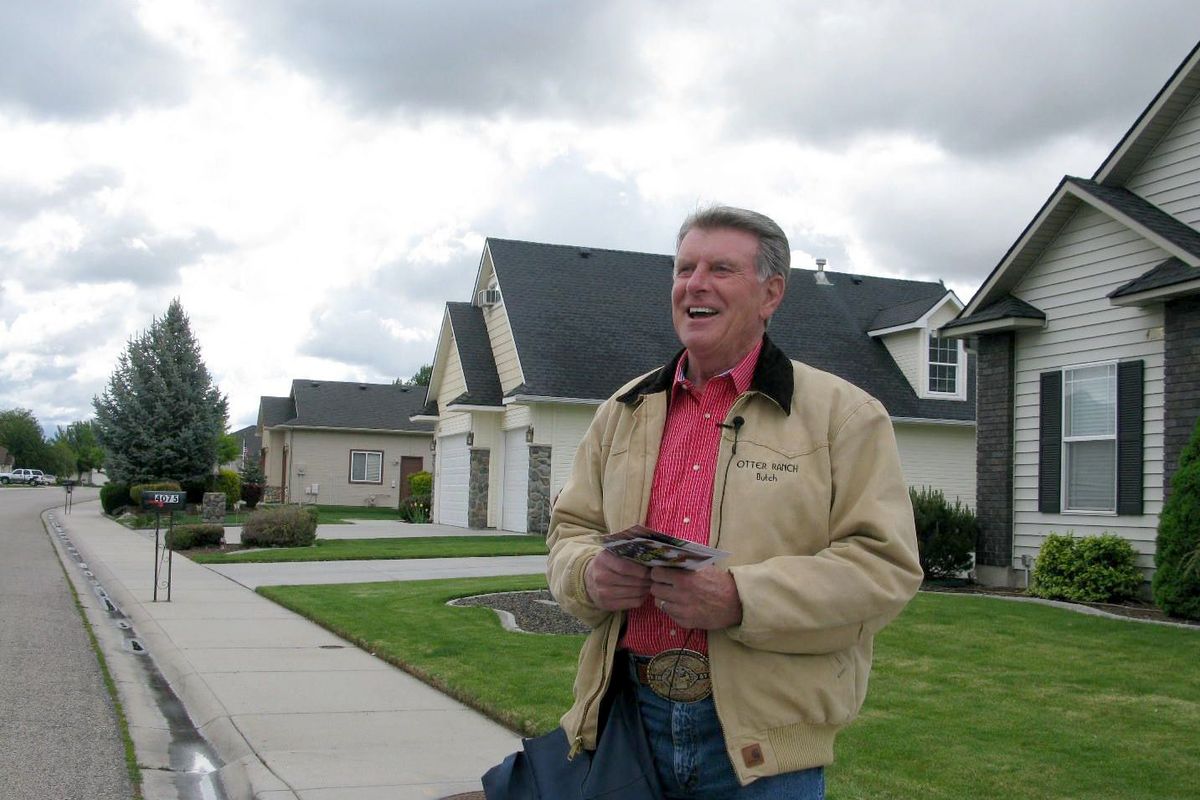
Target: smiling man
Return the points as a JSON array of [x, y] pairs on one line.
[[745, 671]]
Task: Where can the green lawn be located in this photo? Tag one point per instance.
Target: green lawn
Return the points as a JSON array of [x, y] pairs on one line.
[[971, 697], [326, 515], [357, 549]]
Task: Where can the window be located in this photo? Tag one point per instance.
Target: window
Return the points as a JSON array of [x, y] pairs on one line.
[[1090, 438], [366, 466], [943, 365]]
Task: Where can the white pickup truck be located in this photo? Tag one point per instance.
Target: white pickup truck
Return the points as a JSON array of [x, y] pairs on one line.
[[33, 477]]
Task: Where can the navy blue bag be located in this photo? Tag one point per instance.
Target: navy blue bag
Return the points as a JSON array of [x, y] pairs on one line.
[[621, 767]]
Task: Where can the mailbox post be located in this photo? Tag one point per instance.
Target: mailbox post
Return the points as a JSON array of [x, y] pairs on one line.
[[159, 501], [68, 487]]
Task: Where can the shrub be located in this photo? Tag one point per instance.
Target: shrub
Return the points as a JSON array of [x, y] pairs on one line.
[[415, 509], [1176, 584], [185, 537], [1093, 569], [945, 533], [421, 484], [281, 526], [135, 491], [114, 496], [228, 482], [251, 494], [195, 488]]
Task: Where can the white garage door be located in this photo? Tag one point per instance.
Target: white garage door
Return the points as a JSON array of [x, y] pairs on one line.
[[516, 482], [454, 467]]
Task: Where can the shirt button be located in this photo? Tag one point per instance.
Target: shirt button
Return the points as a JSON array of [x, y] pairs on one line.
[[695, 467], [708, 416], [672, 631], [686, 520]]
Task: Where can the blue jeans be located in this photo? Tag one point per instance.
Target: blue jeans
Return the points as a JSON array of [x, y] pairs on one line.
[[690, 759]]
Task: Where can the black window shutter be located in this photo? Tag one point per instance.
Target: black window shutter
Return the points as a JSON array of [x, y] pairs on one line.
[[1129, 437], [1050, 445]]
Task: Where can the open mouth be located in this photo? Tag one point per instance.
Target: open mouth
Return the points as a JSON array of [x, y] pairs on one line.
[[700, 312]]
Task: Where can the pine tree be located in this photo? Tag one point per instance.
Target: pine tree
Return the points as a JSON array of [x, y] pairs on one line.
[[1176, 583], [161, 416]]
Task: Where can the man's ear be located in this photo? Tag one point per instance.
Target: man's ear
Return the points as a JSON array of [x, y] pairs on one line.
[[775, 290]]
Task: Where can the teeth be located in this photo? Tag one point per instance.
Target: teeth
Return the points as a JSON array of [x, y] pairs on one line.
[[701, 311]]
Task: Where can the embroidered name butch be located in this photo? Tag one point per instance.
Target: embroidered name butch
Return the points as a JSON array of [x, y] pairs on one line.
[[765, 470]]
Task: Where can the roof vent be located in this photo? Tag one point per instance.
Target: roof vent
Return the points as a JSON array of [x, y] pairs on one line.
[[820, 277], [313, 384], [487, 297], [585, 253], [362, 387]]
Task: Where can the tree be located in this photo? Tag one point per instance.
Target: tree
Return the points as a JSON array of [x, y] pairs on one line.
[[1176, 583], [81, 438], [22, 435], [229, 448], [419, 378], [160, 416]]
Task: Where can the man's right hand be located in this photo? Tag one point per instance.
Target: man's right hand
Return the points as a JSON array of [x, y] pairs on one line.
[[616, 584]]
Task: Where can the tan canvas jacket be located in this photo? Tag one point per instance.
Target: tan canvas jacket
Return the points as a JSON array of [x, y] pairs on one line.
[[810, 500]]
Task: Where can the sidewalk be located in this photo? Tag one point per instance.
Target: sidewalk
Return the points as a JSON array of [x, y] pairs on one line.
[[292, 710]]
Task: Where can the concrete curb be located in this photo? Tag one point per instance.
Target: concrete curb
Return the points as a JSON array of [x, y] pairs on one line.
[[243, 775]]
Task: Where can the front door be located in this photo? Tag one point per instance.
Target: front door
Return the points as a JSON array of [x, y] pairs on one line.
[[409, 465]]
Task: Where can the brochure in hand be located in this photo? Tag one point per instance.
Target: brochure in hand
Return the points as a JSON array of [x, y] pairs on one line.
[[652, 548]]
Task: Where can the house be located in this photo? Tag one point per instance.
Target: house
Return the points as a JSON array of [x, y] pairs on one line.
[[249, 445], [550, 331], [1088, 342], [342, 443]]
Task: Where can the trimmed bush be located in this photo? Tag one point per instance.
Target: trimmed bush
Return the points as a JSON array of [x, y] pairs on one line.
[[195, 488], [135, 491], [421, 484], [230, 483], [281, 526], [1092, 569], [1176, 584], [251, 494], [945, 533], [114, 496], [185, 537]]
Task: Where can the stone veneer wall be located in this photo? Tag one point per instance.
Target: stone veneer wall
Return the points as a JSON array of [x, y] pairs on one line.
[[994, 449], [477, 489], [1181, 381], [539, 489]]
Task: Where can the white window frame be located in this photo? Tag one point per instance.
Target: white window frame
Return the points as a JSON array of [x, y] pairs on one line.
[[1065, 502], [960, 389], [366, 464]]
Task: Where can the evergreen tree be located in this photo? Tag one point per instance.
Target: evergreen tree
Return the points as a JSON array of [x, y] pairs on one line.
[[1176, 583], [161, 416], [80, 437]]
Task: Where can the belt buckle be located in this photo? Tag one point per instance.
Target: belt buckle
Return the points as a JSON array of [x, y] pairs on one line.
[[680, 675]]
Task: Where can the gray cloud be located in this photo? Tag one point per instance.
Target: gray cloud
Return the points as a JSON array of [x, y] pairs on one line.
[[71, 59], [473, 56]]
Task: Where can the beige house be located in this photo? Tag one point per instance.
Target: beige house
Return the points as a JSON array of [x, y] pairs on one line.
[[1088, 340], [553, 330], [342, 443]]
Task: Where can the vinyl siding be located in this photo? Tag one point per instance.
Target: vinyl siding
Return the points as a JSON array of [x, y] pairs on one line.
[[324, 457], [939, 456], [1091, 256], [516, 416], [504, 348], [1170, 176], [906, 351], [453, 382], [273, 442]]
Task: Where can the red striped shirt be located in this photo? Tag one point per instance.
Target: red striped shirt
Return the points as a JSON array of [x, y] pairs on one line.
[[681, 495]]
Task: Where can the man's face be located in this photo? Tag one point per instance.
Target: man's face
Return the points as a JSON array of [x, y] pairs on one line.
[[718, 305]]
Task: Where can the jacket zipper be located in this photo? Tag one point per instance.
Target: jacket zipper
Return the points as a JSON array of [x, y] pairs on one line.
[[605, 677]]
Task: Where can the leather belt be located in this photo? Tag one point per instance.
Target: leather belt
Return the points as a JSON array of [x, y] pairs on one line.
[[678, 675]]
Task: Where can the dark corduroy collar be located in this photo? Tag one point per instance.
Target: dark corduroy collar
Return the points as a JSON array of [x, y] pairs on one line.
[[772, 376]]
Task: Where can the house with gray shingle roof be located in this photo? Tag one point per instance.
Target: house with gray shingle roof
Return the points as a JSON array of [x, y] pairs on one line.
[[550, 331], [1088, 341], [343, 443]]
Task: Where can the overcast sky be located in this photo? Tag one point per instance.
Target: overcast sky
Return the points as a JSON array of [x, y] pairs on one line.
[[314, 179]]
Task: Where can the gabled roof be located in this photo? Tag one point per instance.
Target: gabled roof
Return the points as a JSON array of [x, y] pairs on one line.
[[586, 320], [350, 405], [1005, 314], [475, 355], [1180, 91], [249, 439], [903, 314], [1106, 193]]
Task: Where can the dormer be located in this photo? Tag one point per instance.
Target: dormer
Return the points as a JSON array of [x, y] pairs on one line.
[[935, 366]]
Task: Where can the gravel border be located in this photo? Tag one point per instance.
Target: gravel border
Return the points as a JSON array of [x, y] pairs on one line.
[[527, 612]]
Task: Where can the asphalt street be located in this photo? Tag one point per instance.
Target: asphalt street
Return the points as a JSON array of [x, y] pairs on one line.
[[59, 736]]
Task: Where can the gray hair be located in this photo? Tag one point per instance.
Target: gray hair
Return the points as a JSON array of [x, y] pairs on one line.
[[774, 255]]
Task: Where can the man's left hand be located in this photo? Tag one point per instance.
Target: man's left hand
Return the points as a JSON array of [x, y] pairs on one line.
[[706, 599]]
